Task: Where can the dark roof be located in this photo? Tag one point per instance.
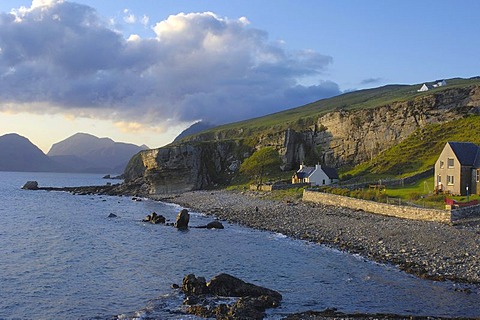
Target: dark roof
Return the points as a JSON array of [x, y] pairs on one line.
[[301, 175], [467, 153], [330, 172], [305, 171]]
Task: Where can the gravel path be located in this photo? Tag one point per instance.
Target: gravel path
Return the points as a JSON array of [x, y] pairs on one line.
[[427, 249]]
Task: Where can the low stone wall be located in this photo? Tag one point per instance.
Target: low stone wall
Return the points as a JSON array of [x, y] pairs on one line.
[[277, 186], [424, 214], [466, 213]]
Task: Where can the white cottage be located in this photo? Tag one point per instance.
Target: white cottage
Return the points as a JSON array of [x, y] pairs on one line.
[[316, 176], [426, 87]]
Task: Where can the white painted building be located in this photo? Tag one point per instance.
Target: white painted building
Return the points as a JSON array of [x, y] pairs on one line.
[[426, 87], [316, 176]]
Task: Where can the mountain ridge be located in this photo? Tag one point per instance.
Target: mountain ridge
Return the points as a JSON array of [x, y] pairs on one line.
[[89, 153], [20, 154], [84, 153]]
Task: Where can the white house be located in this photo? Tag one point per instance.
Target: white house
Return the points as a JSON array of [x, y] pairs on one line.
[[316, 176], [439, 83], [426, 87]]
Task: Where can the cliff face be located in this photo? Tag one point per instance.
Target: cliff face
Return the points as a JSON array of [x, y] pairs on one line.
[[342, 137], [351, 137], [184, 167]]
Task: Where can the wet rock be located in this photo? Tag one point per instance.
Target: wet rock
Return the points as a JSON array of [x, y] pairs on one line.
[[250, 307], [230, 286], [112, 215], [183, 218], [154, 218], [30, 185], [208, 300], [215, 225], [193, 286]]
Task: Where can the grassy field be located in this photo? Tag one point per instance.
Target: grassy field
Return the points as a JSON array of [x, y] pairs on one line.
[[421, 193]]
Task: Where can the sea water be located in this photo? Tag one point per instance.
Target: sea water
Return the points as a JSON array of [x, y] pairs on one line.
[[61, 257]]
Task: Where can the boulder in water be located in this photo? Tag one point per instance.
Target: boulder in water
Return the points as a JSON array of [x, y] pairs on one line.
[[183, 218], [203, 299], [30, 185], [230, 286], [215, 225], [154, 218]]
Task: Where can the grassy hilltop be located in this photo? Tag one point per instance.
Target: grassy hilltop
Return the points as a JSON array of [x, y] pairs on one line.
[[301, 117]]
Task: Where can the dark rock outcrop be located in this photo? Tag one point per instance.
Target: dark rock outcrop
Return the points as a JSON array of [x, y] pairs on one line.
[[193, 286], [155, 218], [183, 219], [215, 225], [30, 185], [205, 300], [230, 286]]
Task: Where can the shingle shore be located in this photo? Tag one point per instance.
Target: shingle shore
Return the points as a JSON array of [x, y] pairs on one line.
[[427, 249]]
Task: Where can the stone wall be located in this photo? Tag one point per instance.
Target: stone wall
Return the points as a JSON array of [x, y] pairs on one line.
[[466, 213], [424, 214], [277, 186]]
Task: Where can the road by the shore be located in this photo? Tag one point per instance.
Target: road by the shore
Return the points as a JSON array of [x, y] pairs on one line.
[[427, 249]]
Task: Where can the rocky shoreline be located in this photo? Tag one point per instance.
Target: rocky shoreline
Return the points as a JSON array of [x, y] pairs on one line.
[[426, 249]]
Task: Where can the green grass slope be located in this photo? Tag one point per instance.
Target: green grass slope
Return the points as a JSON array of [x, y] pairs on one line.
[[419, 151], [304, 116]]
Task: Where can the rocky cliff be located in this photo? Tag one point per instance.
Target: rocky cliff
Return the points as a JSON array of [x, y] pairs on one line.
[[353, 136], [345, 136], [184, 167]]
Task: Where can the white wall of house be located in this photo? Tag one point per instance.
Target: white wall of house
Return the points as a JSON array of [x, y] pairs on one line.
[[318, 177], [423, 88]]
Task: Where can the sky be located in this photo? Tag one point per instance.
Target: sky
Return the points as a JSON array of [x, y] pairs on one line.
[[142, 71]]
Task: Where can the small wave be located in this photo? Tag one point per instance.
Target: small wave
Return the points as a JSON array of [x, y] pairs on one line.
[[278, 235]]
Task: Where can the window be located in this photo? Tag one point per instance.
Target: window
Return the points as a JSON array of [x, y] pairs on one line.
[[450, 180], [442, 164], [451, 162]]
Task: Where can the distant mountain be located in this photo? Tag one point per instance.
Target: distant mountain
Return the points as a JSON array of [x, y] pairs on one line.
[[17, 153], [87, 153], [195, 128]]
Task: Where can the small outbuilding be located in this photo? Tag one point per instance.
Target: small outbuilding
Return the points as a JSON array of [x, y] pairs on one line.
[[316, 176]]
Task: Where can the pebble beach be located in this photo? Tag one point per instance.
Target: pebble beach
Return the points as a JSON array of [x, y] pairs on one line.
[[426, 249]]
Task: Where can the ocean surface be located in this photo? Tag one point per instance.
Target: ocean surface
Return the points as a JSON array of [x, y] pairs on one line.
[[61, 257]]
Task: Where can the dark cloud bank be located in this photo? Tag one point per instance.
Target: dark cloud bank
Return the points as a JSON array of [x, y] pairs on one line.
[[65, 58]]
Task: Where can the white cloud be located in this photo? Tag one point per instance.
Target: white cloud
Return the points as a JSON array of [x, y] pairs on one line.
[[145, 20], [129, 17], [62, 56]]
